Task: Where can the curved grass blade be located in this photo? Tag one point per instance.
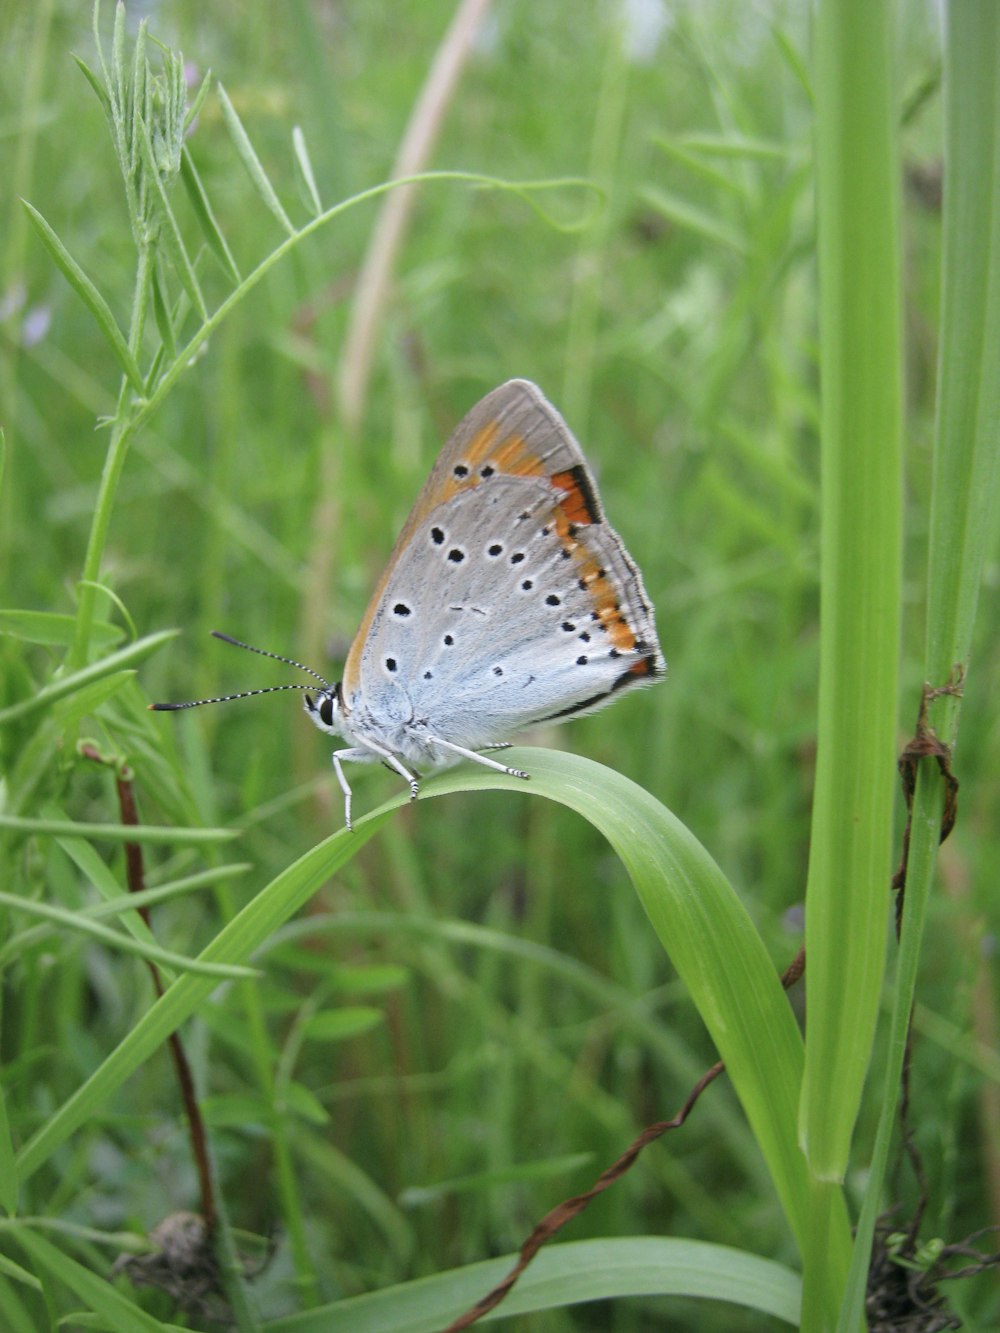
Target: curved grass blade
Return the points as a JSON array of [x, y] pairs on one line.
[[704, 927], [562, 1275]]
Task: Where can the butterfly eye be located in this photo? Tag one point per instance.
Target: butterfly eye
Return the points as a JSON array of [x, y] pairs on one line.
[[326, 710]]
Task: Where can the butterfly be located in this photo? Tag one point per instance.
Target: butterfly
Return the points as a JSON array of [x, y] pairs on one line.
[[507, 601]]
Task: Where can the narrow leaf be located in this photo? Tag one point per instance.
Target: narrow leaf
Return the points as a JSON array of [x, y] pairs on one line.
[[89, 294], [85, 925], [695, 912], [95, 83], [861, 566], [58, 689], [54, 628], [206, 218], [693, 218], [171, 231], [161, 313], [141, 95], [8, 1166], [562, 1275], [141, 833], [194, 110], [304, 1103], [304, 165], [964, 507], [252, 162], [342, 1024], [117, 1312]]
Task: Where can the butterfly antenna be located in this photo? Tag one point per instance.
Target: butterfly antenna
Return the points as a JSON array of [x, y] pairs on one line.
[[226, 698], [247, 694], [288, 661]]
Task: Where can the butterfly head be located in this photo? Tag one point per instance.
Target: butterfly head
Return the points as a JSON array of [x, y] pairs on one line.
[[325, 709]]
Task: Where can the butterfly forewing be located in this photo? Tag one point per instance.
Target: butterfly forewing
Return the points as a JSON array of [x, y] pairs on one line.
[[507, 598]]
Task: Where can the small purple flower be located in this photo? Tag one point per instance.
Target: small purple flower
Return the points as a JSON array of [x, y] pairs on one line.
[[36, 324]]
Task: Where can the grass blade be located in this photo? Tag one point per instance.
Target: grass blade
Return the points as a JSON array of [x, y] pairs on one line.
[[115, 1310], [141, 833], [563, 1275], [965, 498], [850, 850]]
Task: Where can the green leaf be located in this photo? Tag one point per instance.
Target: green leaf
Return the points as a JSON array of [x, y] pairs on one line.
[[8, 1164], [89, 294], [850, 854], [194, 110], [54, 628], [306, 177], [85, 925], [140, 833], [123, 905], [163, 317], [418, 1196], [965, 502], [369, 978], [699, 919], [304, 1103], [206, 218], [736, 145], [95, 83], [562, 1275], [83, 703], [118, 1312], [692, 218], [62, 686], [252, 162], [236, 1111], [171, 232], [341, 1024]]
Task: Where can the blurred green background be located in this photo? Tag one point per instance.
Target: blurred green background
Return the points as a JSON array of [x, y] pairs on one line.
[[677, 334]]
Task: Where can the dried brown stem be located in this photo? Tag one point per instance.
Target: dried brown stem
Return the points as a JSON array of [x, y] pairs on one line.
[[136, 878], [564, 1212]]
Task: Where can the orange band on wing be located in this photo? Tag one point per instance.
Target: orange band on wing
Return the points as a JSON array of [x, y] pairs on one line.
[[509, 456], [605, 605], [580, 505]]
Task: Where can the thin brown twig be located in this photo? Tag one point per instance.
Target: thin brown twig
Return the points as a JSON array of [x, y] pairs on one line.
[[564, 1212], [136, 879], [925, 744]]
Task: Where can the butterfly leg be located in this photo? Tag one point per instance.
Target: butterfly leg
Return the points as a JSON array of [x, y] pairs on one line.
[[479, 758], [345, 786], [363, 753]]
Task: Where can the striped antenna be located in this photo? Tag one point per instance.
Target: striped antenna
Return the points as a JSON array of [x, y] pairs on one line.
[[247, 694]]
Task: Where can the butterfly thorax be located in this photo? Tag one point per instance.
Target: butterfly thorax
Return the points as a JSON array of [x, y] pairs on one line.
[[392, 726]]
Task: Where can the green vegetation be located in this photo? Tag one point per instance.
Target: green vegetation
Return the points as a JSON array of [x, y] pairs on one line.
[[411, 1042]]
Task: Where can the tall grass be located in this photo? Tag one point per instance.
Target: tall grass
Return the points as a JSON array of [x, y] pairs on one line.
[[459, 1015]]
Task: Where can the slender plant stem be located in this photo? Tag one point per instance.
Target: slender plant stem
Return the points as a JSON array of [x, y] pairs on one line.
[[964, 503], [141, 409]]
